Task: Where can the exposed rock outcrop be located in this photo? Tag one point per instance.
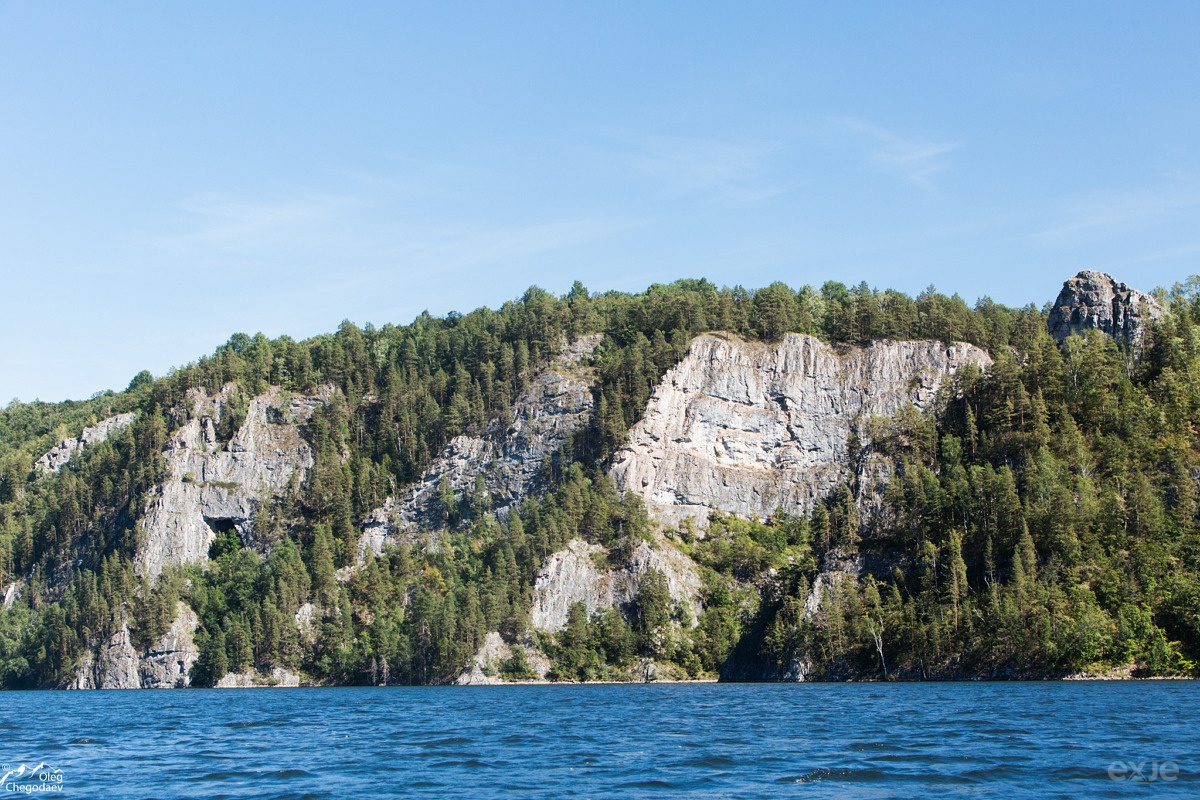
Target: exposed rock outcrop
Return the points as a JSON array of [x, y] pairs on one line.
[[212, 485], [580, 573], [750, 428], [840, 571], [61, 453], [571, 576], [85, 672], [484, 667], [838, 567], [307, 620], [277, 678], [509, 455], [167, 664], [115, 664], [1096, 300], [683, 579], [576, 575]]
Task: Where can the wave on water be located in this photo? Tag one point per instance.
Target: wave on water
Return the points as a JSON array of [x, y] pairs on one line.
[[636, 741]]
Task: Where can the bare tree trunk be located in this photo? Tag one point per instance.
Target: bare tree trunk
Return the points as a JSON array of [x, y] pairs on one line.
[[877, 635]]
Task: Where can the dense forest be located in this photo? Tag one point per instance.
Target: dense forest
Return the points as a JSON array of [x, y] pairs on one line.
[[1041, 520]]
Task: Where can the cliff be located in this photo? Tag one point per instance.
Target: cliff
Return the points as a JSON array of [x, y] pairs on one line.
[[58, 456], [749, 428], [581, 573], [576, 575], [509, 455], [115, 664], [212, 485], [733, 425]]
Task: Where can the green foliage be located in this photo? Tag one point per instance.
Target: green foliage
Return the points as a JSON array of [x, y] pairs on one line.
[[592, 647], [516, 666]]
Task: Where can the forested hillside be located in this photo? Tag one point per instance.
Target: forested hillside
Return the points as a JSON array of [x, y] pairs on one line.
[[1040, 520]]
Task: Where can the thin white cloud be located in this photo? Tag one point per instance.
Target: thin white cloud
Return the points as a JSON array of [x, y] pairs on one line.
[[1085, 218], [916, 160], [225, 224], [731, 171], [448, 248], [369, 233]]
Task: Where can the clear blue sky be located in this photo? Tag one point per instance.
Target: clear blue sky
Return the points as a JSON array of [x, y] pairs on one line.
[[172, 173]]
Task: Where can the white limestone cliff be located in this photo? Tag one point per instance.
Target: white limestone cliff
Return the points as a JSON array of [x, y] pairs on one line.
[[485, 665], [211, 484], [749, 428], [166, 665]]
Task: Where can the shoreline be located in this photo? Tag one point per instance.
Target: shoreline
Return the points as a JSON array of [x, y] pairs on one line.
[[692, 681]]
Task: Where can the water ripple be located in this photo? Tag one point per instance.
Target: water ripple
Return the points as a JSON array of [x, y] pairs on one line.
[[843, 740]]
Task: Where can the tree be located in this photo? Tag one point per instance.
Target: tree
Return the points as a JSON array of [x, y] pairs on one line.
[[212, 662], [653, 612]]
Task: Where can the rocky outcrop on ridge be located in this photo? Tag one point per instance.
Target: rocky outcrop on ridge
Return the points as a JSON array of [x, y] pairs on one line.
[[212, 485], [61, 453], [1096, 300], [749, 428], [509, 455]]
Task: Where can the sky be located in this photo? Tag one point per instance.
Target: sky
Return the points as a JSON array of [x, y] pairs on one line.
[[173, 173]]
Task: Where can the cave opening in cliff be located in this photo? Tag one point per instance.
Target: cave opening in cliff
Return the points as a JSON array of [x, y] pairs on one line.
[[225, 536]]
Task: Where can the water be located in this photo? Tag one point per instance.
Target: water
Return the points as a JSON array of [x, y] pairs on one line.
[[1007, 740]]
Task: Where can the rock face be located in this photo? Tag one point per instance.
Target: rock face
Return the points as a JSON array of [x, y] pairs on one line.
[[509, 455], [61, 453], [277, 678], [116, 665], [573, 576], [12, 594], [167, 664], [306, 622], [579, 573], [1095, 300], [750, 428], [483, 669], [838, 567], [215, 486]]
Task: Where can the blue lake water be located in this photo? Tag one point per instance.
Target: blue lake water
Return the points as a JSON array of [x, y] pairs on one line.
[[1006, 740]]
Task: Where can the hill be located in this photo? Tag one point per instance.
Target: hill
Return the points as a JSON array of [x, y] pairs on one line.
[[689, 482]]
